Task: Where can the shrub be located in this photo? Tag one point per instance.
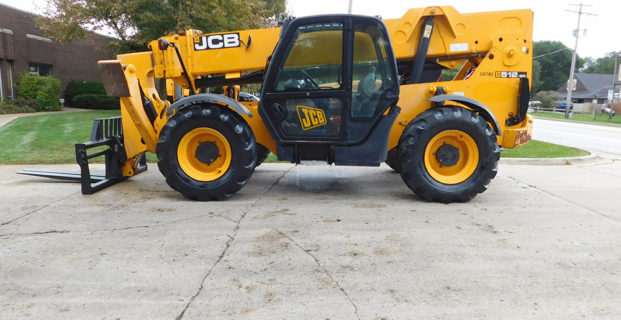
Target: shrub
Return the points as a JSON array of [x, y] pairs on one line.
[[95, 101], [18, 106], [547, 99], [80, 87], [45, 90]]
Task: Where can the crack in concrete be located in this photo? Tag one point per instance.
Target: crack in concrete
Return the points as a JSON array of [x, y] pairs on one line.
[[107, 229], [565, 199], [51, 231], [228, 243], [325, 270], [37, 210]]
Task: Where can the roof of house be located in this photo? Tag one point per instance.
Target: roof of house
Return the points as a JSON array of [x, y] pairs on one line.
[[590, 85]]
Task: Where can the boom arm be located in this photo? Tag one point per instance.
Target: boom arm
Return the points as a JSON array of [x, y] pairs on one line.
[[454, 38]]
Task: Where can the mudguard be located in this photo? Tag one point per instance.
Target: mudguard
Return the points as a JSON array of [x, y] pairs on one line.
[[472, 104], [208, 98]]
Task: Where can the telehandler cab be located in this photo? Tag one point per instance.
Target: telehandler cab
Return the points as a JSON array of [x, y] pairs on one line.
[[344, 89]]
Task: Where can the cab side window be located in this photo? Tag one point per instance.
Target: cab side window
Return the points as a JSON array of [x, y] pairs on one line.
[[371, 73], [314, 59]]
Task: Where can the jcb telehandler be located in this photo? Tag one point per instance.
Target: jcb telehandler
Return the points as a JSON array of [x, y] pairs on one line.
[[344, 89]]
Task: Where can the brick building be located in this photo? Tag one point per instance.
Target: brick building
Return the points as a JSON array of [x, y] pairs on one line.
[[25, 48]]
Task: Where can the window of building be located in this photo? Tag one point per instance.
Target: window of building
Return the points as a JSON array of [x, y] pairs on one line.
[[1, 86], [40, 69], [40, 38], [9, 79]]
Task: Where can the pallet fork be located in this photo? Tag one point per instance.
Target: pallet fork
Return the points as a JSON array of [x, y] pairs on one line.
[[106, 132]]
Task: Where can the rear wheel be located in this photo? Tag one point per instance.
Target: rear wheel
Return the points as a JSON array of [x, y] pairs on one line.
[[392, 160], [448, 154], [206, 153]]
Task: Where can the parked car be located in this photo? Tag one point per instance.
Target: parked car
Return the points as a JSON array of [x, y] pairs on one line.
[[562, 104], [247, 97], [534, 103]]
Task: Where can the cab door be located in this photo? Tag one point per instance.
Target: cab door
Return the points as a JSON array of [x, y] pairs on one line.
[[330, 80]]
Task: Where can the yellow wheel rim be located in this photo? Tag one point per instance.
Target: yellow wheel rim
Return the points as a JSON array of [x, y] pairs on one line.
[[204, 170], [451, 157]]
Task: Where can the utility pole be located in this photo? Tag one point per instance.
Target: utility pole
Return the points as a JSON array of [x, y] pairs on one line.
[[350, 3], [615, 80], [615, 76], [570, 82]]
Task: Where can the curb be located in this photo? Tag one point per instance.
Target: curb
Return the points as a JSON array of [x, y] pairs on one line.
[[552, 161]]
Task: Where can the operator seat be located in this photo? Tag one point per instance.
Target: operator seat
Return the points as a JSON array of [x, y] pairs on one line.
[[361, 102]]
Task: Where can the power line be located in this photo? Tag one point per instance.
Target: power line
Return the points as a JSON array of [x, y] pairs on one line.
[[549, 53]]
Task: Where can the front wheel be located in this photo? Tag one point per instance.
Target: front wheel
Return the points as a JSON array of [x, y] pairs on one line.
[[262, 154], [206, 153], [448, 154]]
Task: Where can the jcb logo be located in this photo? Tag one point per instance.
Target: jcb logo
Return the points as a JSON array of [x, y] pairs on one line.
[[216, 41], [311, 117]]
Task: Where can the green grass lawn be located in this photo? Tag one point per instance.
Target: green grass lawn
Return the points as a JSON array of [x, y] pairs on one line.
[[539, 149], [47, 138], [580, 117], [51, 139]]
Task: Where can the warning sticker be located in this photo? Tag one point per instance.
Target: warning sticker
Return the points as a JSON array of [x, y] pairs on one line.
[[455, 47], [427, 33]]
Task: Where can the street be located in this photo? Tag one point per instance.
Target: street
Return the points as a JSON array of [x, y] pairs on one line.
[[314, 242], [594, 138]]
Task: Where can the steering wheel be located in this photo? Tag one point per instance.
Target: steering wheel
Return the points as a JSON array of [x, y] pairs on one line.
[[309, 82]]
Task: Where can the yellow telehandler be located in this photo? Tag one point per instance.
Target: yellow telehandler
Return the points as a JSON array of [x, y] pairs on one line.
[[344, 89]]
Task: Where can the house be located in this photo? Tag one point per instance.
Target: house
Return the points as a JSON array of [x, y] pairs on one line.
[[589, 86], [25, 48]]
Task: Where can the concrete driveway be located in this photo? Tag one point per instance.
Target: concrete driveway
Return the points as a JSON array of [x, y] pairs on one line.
[[314, 242]]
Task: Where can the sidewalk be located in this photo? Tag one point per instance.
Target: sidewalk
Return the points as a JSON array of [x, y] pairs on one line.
[[6, 118]]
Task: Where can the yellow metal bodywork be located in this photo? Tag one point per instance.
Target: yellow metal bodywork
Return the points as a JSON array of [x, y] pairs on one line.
[[518, 135], [497, 44], [216, 61]]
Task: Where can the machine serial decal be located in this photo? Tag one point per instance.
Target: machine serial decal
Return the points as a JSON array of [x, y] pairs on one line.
[[510, 74], [311, 117], [216, 41], [504, 74]]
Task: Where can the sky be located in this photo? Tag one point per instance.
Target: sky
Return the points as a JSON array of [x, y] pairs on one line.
[[552, 20]]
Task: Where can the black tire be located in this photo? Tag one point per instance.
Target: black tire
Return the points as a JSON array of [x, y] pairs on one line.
[[236, 133], [262, 154], [392, 160], [435, 122]]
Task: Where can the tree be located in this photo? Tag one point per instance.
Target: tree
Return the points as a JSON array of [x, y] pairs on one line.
[[136, 22], [536, 77], [554, 61], [604, 65]]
